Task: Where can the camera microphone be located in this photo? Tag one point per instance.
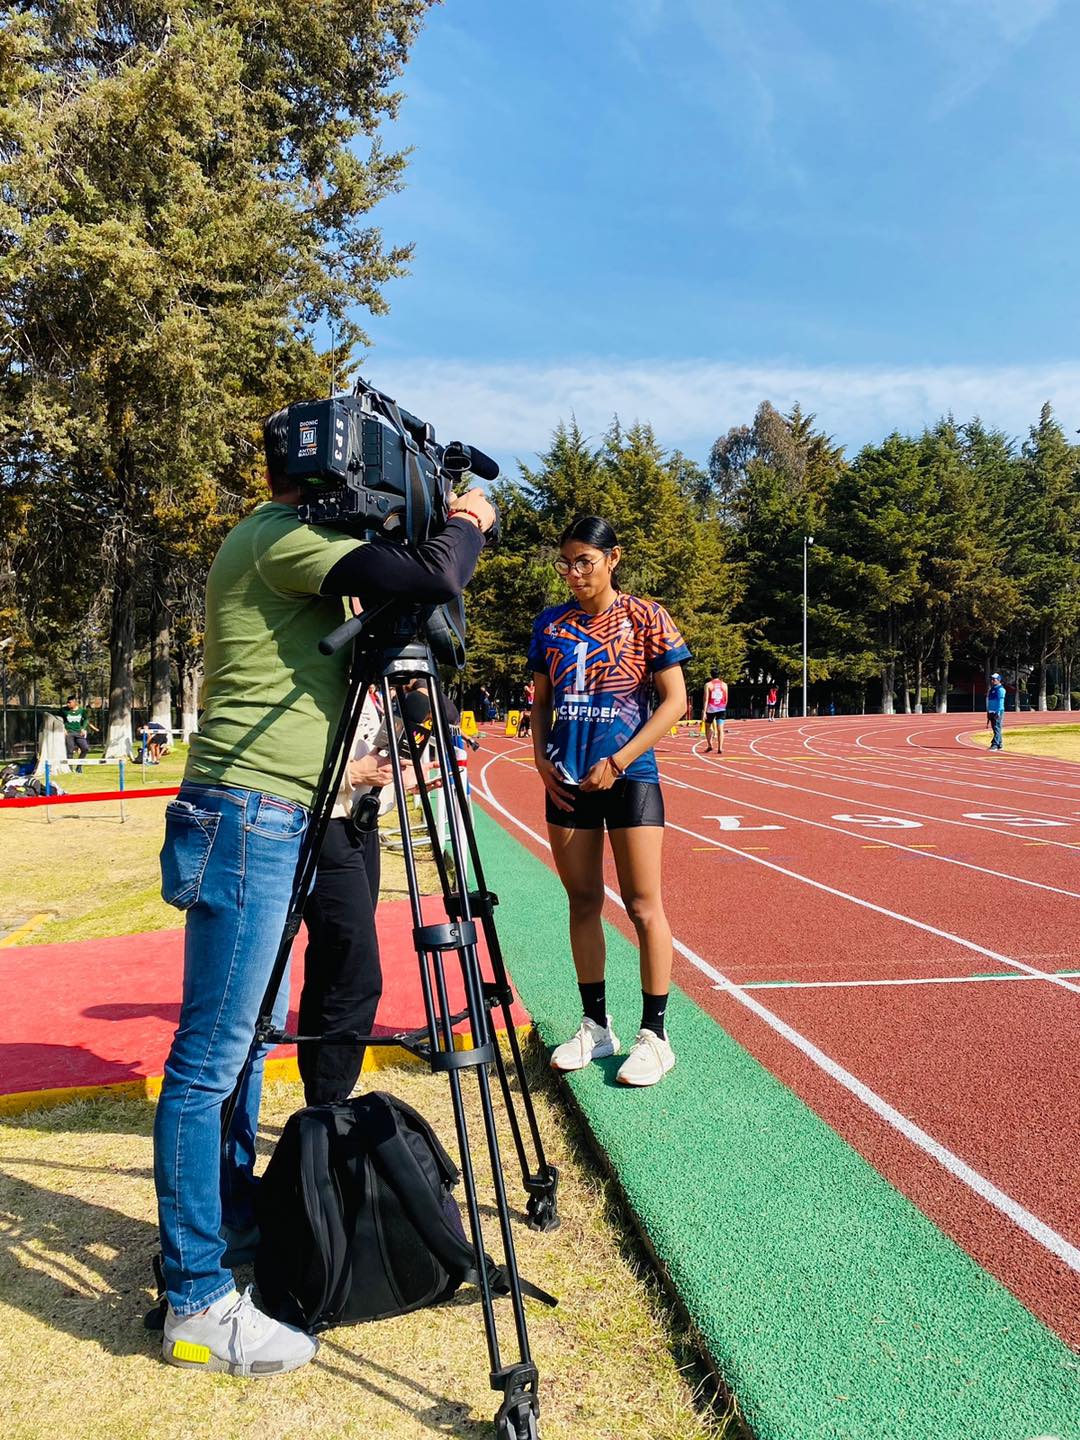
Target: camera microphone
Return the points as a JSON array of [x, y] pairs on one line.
[[460, 459], [415, 712]]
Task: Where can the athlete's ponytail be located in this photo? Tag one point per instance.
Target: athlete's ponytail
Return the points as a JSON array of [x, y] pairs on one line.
[[594, 531]]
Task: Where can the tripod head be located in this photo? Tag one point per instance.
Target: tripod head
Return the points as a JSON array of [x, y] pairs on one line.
[[438, 627]]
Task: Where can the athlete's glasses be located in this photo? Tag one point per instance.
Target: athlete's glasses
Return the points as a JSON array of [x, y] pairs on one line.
[[581, 566]]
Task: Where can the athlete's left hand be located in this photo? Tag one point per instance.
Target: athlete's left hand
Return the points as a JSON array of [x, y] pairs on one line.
[[600, 777]]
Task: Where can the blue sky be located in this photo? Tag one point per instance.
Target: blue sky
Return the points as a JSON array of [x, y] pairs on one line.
[[676, 208]]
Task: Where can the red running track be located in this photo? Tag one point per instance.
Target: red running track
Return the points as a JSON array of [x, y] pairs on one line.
[[840, 946]]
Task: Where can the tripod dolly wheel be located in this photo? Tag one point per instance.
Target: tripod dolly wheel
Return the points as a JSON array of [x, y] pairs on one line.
[[542, 1207], [520, 1425]]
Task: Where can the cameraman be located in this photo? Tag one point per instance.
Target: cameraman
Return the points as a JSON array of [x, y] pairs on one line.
[[232, 838]]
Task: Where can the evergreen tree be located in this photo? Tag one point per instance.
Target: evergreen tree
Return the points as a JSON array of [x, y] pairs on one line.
[[182, 202], [1046, 559], [771, 484]]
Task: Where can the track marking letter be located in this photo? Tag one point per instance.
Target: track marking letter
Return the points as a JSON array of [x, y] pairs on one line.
[[880, 822], [734, 822], [1006, 819]]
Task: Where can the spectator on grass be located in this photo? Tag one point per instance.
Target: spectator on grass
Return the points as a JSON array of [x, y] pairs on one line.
[[76, 724], [995, 710], [232, 839], [154, 742]]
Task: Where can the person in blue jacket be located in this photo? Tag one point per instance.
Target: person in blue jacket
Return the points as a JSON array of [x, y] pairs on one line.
[[995, 709]]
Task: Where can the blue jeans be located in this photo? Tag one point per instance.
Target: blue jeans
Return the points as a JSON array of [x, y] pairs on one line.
[[995, 726], [228, 860]]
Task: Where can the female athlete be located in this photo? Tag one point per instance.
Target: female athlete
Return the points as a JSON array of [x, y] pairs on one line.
[[594, 661]]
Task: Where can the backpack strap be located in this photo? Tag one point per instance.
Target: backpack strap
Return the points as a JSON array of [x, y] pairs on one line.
[[449, 1171], [322, 1205], [397, 1164]]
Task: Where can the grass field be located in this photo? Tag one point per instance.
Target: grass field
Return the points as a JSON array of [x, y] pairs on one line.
[[76, 1238], [1059, 742], [77, 1231], [91, 876]]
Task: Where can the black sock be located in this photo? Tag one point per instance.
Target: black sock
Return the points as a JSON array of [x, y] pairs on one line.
[[594, 1001], [652, 1012]]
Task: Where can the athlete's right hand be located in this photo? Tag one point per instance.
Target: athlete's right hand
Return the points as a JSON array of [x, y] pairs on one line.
[[561, 796]]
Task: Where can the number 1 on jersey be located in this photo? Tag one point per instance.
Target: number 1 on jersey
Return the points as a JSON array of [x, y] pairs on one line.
[[581, 650]]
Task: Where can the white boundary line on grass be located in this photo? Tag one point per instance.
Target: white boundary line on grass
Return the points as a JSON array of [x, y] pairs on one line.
[[1031, 1225]]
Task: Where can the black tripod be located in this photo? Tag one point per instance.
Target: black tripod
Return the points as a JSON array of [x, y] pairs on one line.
[[390, 650]]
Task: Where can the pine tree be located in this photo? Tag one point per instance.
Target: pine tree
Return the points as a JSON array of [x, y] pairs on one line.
[[183, 202], [1046, 561]]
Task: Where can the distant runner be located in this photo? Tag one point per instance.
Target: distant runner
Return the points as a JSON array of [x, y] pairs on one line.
[[715, 709], [526, 715], [770, 703]]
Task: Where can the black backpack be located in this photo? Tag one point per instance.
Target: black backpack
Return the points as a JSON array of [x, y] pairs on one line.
[[357, 1218]]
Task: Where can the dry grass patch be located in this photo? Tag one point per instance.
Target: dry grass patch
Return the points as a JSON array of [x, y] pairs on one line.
[[1056, 742], [96, 877], [77, 1231]]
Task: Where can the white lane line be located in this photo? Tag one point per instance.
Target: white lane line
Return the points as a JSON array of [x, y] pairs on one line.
[[923, 925], [956, 765], [910, 980], [861, 835], [801, 773], [1021, 1217], [881, 765]]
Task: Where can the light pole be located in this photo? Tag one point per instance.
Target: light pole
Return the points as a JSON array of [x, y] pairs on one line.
[[807, 541]]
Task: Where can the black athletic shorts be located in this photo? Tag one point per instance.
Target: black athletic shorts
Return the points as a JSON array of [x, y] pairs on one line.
[[711, 715], [627, 804]]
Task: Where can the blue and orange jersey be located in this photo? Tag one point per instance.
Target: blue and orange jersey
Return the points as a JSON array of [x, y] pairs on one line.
[[600, 667]]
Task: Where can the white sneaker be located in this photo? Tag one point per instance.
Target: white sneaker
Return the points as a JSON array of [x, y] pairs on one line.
[[235, 1338], [649, 1060], [592, 1042]]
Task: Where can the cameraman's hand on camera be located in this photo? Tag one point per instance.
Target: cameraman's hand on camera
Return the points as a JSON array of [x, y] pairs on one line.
[[561, 796], [477, 508], [371, 770]]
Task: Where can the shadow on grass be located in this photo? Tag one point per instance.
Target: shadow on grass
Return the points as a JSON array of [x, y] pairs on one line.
[[76, 1266], [440, 1415]]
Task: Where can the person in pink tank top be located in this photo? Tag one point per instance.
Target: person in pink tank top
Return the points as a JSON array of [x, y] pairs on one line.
[[715, 711]]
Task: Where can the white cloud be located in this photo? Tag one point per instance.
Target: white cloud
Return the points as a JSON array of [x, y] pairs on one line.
[[511, 409], [976, 38]]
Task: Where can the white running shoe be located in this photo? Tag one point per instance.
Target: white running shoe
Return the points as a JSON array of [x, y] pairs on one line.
[[592, 1042], [235, 1338], [649, 1060]]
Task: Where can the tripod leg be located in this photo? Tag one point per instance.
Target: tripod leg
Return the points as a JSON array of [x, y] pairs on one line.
[[517, 1416], [541, 1184]]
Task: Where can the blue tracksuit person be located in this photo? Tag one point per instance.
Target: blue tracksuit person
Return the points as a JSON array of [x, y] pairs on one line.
[[995, 709]]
